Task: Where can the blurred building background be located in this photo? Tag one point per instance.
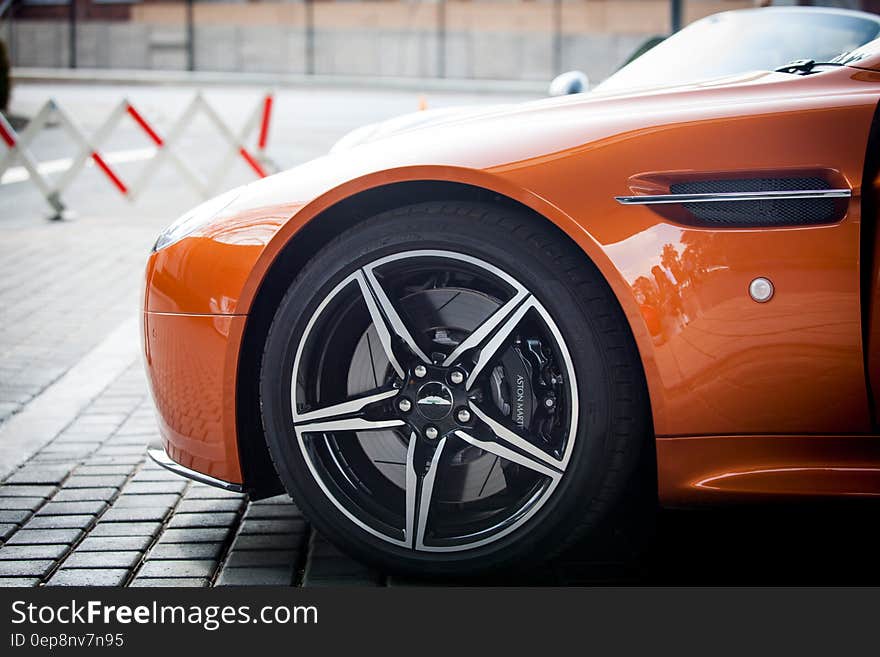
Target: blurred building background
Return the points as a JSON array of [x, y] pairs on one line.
[[497, 39]]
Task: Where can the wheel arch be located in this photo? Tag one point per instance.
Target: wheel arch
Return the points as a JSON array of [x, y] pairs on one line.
[[321, 227]]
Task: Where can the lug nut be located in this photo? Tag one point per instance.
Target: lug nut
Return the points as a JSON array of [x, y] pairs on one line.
[[405, 405], [463, 415], [420, 371], [456, 377], [549, 402], [431, 433]]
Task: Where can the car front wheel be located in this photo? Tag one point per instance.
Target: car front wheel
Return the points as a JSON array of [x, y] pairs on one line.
[[451, 389]]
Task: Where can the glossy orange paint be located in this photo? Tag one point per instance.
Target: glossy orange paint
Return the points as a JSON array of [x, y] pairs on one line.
[[706, 469], [716, 363], [192, 376]]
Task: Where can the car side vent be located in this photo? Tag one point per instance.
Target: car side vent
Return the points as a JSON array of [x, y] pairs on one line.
[[763, 212]]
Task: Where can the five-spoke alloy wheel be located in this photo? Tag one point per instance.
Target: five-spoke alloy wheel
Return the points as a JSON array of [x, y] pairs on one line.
[[422, 401]]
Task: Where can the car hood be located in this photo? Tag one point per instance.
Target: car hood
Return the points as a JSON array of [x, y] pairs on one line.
[[412, 121], [449, 115], [501, 140]]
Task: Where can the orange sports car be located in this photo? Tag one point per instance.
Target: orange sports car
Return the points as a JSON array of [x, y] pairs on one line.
[[464, 346]]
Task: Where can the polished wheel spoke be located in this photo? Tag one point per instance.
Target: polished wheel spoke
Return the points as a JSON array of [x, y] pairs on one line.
[[343, 416], [420, 477], [387, 320], [506, 453], [491, 347], [483, 331], [350, 424], [506, 439]]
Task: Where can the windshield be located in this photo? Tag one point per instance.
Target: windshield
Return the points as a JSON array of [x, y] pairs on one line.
[[743, 41]]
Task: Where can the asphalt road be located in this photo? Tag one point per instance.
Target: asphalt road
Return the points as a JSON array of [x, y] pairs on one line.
[[75, 414]]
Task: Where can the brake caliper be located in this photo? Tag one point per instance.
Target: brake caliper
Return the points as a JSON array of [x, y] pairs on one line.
[[526, 386]]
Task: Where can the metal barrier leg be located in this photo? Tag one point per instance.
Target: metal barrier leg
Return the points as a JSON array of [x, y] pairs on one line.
[[61, 213], [17, 150]]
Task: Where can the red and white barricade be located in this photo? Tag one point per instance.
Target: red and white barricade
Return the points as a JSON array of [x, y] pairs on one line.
[[89, 149]]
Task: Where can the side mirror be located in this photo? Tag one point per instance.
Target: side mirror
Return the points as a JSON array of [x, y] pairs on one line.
[[570, 82]]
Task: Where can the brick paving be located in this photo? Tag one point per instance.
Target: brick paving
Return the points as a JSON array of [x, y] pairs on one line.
[[90, 508], [53, 315]]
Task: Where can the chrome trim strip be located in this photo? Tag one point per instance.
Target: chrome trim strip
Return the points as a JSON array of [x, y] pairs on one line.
[[664, 199], [161, 457]]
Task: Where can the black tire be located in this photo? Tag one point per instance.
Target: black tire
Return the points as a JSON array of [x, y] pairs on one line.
[[614, 428]]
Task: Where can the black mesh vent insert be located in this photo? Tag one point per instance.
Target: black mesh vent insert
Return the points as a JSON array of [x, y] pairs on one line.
[[769, 213]]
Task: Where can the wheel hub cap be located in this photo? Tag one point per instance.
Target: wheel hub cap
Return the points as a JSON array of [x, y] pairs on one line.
[[434, 401]]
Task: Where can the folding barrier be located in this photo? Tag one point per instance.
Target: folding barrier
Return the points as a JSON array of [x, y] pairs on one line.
[[89, 149]]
